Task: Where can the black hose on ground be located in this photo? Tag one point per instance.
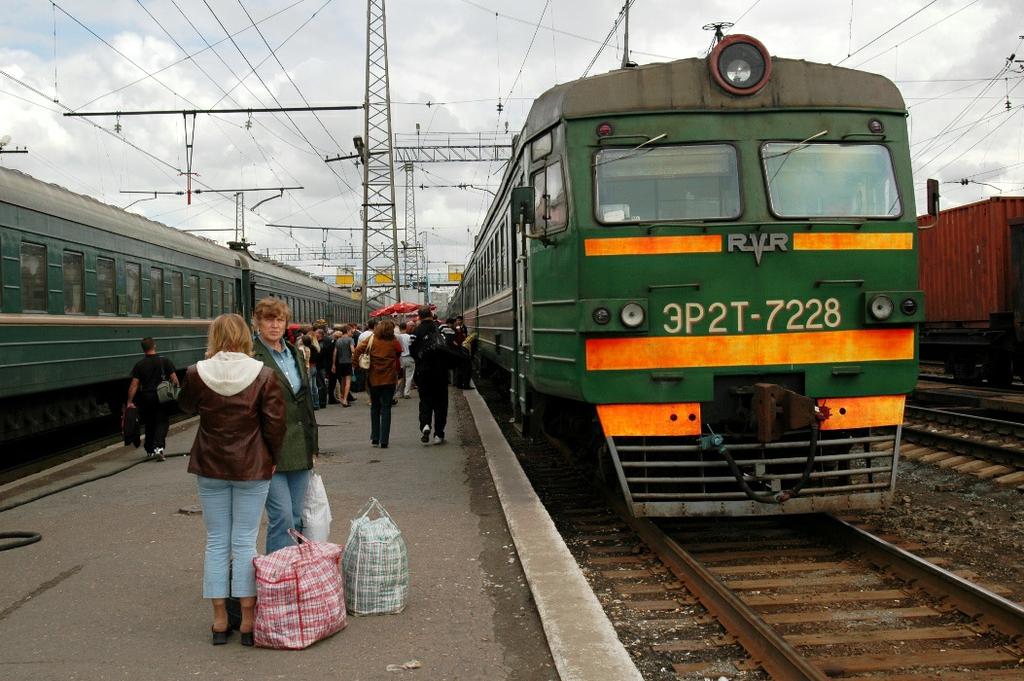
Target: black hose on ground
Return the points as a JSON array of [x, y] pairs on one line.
[[24, 538]]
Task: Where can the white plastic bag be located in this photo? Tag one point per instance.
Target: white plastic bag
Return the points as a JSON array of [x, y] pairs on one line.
[[316, 511], [375, 564]]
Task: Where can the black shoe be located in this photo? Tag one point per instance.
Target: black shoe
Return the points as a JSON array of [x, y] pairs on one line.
[[246, 638], [220, 637], [426, 435], [384, 446], [374, 443]]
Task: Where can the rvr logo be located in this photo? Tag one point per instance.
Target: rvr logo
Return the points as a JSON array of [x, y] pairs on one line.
[[757, 243]]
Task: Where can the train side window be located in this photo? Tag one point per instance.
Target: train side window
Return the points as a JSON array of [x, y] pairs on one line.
[[178, 294], [33, 278], [209, 297], [74, 283], [106, 286], [193, 297], [156, 288], [133, 285]]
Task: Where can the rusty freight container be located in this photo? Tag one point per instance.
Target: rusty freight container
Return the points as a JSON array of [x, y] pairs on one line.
[[967, 271], [964, 262]]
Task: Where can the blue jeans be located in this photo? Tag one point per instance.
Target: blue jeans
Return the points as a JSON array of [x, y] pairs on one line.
[[284, 507], [381, 397], [313, 388], [231, 511]]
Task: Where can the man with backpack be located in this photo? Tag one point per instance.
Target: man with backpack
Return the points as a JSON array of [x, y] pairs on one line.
[[146, 375], [431, 376]]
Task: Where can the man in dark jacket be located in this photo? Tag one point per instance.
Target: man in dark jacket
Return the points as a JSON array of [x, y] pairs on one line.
[[324, 365], [146, 375], [431, 376]]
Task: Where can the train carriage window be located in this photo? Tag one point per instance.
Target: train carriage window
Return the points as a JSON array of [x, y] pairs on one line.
[[830, 180], [33, 278], [133, 287], [74, 283], [178, 294], [156, 291], [209, 297], [106, 286], [193, 297], [693, 182]]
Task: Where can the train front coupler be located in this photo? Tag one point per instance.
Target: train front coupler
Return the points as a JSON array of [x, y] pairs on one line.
[[777, 411]]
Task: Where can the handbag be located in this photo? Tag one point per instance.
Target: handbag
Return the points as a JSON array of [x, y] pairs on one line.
[[364, 359], [300, 594], [375, 564], [166, 392], [316, 510]]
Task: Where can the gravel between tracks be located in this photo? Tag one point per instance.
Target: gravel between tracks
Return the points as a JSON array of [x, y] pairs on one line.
[[975, 524]]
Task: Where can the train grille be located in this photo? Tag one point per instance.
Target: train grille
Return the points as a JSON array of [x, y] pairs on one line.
[[663, 476]]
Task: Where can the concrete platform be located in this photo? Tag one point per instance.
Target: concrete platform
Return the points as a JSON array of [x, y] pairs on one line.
[[113, 591]]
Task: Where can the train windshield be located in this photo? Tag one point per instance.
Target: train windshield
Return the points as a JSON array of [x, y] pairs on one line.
[[830, 180], [649, 184]]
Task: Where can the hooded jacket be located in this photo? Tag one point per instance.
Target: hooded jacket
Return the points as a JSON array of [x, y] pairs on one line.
[[241, 417]]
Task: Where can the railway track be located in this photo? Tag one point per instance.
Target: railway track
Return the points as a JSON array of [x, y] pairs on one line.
[[966, 442], [807, 597]]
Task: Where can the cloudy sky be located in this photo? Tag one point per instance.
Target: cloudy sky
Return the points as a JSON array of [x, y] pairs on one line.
[[451, 62]]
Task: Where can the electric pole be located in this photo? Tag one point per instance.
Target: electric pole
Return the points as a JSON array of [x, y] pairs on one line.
[[380, 231]]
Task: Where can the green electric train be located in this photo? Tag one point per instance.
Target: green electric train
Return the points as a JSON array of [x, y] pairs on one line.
[[83, 282], [705, 271]]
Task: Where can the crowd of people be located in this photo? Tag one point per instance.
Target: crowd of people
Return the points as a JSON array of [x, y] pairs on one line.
[[256, 443]]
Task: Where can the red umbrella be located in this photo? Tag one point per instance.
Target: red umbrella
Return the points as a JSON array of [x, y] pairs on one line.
[[397, 308]]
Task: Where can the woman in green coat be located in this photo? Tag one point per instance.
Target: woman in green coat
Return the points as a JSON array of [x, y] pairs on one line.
[[288, 485]]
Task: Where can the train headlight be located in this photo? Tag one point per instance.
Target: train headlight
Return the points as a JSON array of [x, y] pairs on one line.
[[740, 65], [602, 316], [632, 315], [881, 307], [908, 307]]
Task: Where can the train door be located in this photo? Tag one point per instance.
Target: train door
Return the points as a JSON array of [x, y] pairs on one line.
[[522, 313]]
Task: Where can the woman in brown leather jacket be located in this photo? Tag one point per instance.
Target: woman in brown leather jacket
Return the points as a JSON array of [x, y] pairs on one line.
[[382, 377], [241, 428]]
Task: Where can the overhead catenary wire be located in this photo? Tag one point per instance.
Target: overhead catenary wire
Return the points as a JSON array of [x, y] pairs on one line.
[[615, 27], [923, 30], [887, 31]]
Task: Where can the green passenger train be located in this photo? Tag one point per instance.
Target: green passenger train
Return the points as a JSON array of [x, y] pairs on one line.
[[83, 282], [705, 271]]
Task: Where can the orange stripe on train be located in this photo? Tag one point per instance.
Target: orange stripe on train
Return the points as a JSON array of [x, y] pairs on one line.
[[623, 420], [849, 241], [654, 245], [817, 347], [862, 412]]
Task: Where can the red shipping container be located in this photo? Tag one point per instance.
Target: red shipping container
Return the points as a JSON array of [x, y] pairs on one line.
[[964, 262]]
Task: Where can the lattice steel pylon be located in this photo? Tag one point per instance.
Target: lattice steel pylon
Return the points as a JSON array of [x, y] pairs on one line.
[[410, 243], [380, 232]]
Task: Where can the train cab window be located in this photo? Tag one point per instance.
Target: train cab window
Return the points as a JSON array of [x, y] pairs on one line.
[[74, 283], [156, 289], [177, 294], [33, 278], [133, 287], [193, 297], [209, 297], [550, 204], [650, 184], [830, 180], [106, 286]]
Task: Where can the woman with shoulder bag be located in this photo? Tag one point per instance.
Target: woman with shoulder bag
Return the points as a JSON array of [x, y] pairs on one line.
[[241, 429], [380, 355]]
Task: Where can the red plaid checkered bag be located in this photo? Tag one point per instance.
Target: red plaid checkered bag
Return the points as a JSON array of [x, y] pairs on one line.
[[300, 595]]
